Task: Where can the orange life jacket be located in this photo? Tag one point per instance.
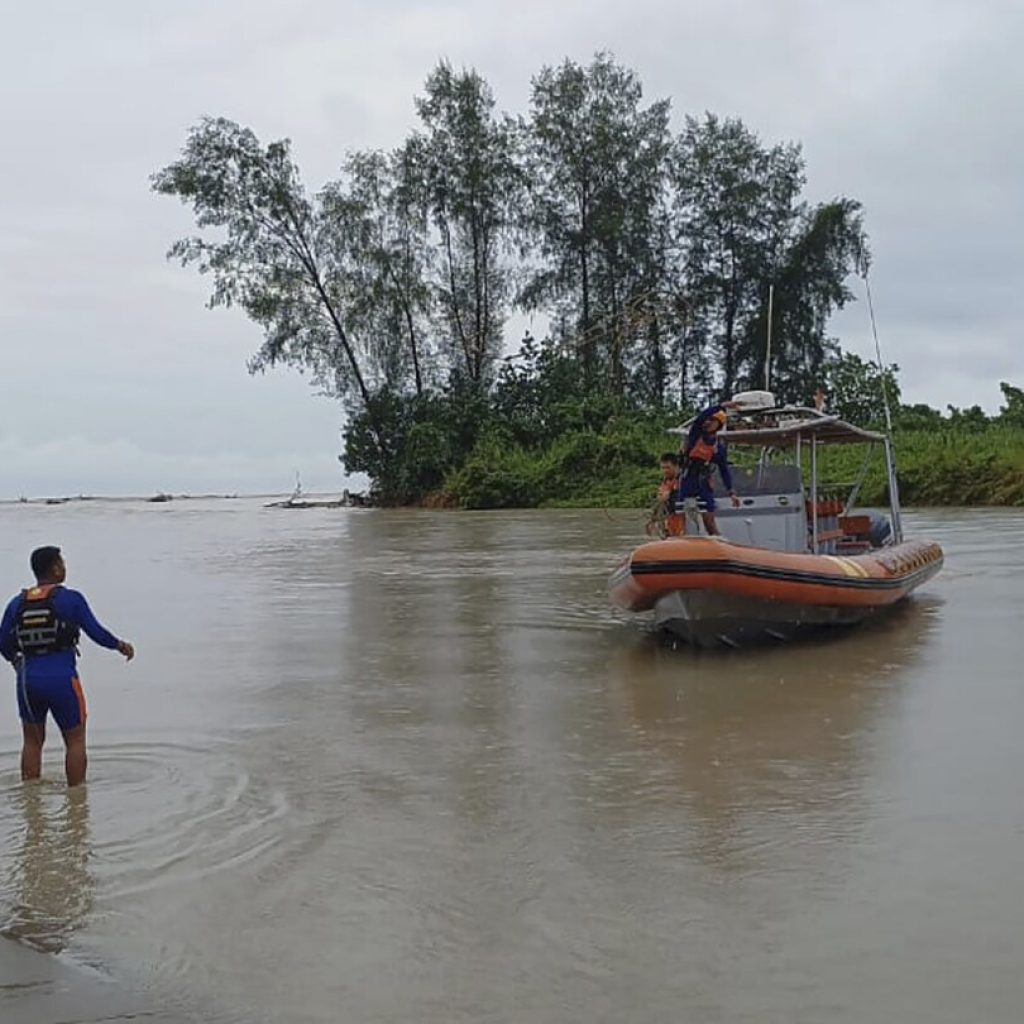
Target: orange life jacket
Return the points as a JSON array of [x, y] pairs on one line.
[[703, 450]]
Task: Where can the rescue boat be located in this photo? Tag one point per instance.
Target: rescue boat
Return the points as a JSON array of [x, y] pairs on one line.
[[795, 556]]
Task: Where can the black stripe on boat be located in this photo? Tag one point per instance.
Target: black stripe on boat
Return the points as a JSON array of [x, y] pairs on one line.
[[713, 566]]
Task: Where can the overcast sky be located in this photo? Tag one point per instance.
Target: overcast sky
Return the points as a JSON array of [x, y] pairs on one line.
[[115, 378]]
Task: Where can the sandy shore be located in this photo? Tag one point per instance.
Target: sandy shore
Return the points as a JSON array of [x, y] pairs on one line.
[[36, 988]]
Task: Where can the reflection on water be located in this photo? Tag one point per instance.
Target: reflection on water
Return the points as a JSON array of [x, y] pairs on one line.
[[758, 744], [48, 891], [395, 766]]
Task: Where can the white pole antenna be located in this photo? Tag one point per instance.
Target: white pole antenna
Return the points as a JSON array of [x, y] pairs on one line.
[[878, 356], [768, 344]]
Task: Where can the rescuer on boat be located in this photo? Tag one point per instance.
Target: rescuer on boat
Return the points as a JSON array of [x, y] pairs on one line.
[[702, 451], [664, 520]]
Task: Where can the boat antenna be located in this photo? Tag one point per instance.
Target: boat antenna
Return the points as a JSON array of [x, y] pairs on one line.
[[878, 356], [768, 343], [890, 458]]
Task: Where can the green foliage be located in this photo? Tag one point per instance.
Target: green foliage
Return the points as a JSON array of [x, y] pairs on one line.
[[736, 204], [980, 466], [378, 211], [910, 418], [472, 185], [941, 461], [544, 438], [583, 468], [1012, 413], [968, 420], [651, 256], [857, 390], [743, 231], [595, 161], [427, 437], [273, 253], [828, 244]]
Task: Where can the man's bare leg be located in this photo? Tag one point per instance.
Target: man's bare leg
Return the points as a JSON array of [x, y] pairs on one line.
[[33, 737], [710, 524], [75, 760]]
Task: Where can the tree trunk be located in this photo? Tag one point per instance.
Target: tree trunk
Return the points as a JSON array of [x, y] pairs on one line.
[[478, 298], [407, 311], [588, 351], [460, 330]]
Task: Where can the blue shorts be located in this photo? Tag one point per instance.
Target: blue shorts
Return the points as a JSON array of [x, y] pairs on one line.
[[60, 697], [698, 487]]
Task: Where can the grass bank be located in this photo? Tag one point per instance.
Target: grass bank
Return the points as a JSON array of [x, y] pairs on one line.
[[617, 468]]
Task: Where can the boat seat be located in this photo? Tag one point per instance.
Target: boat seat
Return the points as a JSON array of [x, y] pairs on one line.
[[856, 526], [852, 546], [824, 535]]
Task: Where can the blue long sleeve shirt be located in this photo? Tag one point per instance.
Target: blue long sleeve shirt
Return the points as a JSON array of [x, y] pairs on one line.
[[721, 460], [69, 605]]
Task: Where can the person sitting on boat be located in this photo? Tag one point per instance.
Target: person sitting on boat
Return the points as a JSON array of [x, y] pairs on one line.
[[701, 453], [665, 521]]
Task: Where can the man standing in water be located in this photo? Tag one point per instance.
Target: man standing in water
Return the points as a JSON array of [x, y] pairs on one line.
[[39, 637]]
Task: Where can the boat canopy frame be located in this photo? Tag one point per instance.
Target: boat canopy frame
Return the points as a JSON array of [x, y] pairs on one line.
[[792, 427]]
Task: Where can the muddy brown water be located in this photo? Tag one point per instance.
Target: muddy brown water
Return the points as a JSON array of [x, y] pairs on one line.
[[411, 766]]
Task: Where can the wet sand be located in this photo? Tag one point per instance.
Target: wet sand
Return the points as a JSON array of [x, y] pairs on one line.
[[38, 988]]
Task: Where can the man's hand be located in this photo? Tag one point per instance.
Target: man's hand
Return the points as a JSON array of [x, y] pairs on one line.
[[125, 648], [734, 499]]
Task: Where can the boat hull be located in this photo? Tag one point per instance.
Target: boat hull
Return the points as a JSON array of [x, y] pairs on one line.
[[711, 592]]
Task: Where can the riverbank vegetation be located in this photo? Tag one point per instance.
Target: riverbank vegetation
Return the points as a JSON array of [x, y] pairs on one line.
[[577, 451], [652, 249]]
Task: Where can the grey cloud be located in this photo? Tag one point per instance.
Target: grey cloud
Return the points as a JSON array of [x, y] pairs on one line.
[[911, 108]]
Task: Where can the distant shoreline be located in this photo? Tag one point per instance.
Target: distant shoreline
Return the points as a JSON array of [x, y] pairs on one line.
[[159, 498], [328, 500], [119, 498]]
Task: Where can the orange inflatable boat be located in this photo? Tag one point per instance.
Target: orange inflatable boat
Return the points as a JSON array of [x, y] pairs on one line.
[[791, 558]]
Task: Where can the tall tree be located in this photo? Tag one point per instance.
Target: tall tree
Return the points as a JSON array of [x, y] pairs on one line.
[[736, 203], [595, 164], [466, 156], [273, 253], [377, 213], [826, 246], [745, 230]]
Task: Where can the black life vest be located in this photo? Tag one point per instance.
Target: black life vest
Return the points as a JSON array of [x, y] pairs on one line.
[[38, 628]]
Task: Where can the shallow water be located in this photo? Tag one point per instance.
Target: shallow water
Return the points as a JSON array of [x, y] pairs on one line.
[[378, 766]]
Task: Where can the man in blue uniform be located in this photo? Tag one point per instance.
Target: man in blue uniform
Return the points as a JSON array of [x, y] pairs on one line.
[[701, 453], [39, 637]]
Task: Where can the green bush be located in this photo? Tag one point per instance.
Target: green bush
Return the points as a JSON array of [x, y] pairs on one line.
[[541, 436]]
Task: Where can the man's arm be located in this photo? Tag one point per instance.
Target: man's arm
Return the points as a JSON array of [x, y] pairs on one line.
[[8, 641], [721, 459], [73, 607]]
